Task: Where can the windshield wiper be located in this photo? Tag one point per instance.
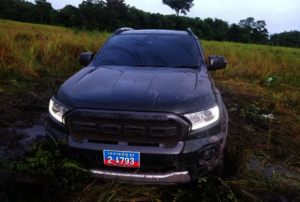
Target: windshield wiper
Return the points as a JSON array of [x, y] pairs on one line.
[[185, 66], [142, 65]]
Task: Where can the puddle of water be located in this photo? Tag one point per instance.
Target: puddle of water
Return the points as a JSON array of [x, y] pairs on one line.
[[31, 133], [278, 171], [268, 171], [16, 142]]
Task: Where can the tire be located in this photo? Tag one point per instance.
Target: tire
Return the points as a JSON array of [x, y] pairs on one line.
[[218, 170]]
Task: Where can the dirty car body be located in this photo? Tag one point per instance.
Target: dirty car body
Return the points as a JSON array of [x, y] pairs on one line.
[[144, 109]]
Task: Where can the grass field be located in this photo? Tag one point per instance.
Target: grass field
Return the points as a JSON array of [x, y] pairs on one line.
[[29, 50], [37, 57], [39, 50]]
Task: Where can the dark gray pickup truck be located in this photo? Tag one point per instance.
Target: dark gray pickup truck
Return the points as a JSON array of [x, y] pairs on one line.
[[144, 109]]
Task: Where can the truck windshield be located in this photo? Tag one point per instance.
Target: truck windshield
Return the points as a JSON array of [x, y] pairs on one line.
[[150, 50]]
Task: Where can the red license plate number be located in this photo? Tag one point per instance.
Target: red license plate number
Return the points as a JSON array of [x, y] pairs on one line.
[[121, 158]]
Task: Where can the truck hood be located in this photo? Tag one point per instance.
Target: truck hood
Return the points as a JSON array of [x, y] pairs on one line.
[[152, 89]]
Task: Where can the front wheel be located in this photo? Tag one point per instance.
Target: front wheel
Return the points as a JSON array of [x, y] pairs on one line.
[[218, 170]]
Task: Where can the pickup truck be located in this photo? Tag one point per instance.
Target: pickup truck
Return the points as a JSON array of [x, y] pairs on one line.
[[144, 109]]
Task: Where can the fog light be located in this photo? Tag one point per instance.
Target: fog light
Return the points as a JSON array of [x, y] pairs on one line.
[[208, 154]]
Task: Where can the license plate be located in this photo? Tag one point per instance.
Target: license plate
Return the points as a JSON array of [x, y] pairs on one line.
[[121, 158]]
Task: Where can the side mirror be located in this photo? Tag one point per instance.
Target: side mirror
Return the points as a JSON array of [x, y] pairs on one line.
[[85, 58], [216, 62]]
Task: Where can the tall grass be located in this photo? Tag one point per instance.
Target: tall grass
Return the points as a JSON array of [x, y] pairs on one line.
[[32, 50], [257, 61]]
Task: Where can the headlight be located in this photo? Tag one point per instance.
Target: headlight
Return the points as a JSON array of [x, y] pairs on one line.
[[203, 118], [57, 111]]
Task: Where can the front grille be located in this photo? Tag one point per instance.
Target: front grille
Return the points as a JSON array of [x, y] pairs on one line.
[[133, 128]]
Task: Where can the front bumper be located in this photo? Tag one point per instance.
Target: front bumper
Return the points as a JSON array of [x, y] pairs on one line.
[[159, 165], [169, 178]]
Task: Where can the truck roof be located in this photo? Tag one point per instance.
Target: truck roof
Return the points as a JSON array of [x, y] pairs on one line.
[[153, 31]]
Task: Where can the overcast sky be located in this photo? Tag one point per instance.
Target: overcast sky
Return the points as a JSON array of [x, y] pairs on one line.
[[280, 15]]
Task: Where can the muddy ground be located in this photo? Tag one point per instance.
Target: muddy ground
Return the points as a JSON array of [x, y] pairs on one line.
[[23, 112]]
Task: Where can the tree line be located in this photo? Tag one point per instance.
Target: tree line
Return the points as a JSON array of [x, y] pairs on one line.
[[112, 14]]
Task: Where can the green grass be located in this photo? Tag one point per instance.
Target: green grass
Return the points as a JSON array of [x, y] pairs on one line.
[[40, 50], [37, 51], [258, 62]]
